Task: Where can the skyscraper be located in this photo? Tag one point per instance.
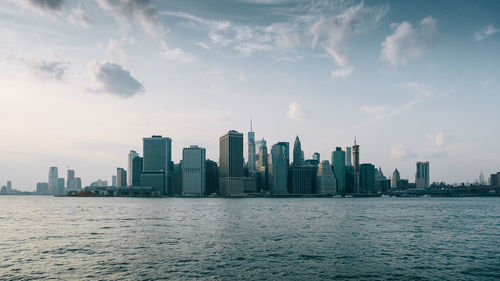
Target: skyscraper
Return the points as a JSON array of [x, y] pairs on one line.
[[193, 171], [367, 178], [121, 177], [422, 175], [113, 180], [78, 184], [278, 171], [355, 155], [136, 171], [53, 181], [348, 154], [61, 190], [395, 178], [212, 177], [262, 181], [339, 167], [9, 186], [231, 163], [70, 180], [325, 180], [130, 171], [251, 150], [157, 163], [298, 154]]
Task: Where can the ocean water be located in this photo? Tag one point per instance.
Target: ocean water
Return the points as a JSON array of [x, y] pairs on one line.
[[249, 239]]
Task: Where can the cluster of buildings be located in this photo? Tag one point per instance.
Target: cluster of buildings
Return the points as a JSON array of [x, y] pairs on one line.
[[280, 170], [59, 186], [268, 171]]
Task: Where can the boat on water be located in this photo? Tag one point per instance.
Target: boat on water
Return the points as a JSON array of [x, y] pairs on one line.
[[84, 193], [349, 196]]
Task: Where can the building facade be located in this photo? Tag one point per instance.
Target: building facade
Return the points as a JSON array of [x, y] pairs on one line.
[[121, 177], [231, 164], [130, 171], [193, 171], [278, 170], [326, 182], [339, 167], [422, 175], [367, 178], [157, 162], [395, 178]]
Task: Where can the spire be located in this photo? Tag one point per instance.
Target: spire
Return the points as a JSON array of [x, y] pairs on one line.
[[354, 140], [251, 124]]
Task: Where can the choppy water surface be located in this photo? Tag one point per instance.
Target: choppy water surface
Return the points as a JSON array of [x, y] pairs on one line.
[[256, 239]]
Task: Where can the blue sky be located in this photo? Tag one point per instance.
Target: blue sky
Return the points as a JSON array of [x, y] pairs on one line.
[[83, 81]]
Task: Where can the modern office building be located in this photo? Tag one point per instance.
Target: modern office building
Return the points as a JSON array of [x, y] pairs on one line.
[[61, 190], [325, 180], [42, 188], [349, 180], [422, 175], [78, 184], [130, 171], [70, 180], [9, 186], [193, 171], [300, 180], [339, 168], [212, 177], [251, 150], [53, 181], [176, 180], [157, 162], [278, 170], [298, 154], [113, 180], [136, 170], [348, 155], [355, 156], [395, 178], [231, 164], [403, 184], [367, 178], [156, 179], [121, 177]]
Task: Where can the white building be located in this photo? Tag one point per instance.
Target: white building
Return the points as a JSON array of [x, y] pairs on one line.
[[193, 171]]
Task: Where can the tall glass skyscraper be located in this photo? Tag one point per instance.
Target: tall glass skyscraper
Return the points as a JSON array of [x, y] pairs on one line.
[[339, 166], [157, 163], [231, 163]]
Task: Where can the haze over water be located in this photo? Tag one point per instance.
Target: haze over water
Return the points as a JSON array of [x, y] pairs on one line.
[[257, 239]]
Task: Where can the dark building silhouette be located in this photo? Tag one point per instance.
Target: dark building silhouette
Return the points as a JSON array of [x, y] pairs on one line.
[[136, 171], [300, 180], [231, 164], [157, 163], [350, 179], [212, 178], [176, 180], [367, 178], [298, 154]]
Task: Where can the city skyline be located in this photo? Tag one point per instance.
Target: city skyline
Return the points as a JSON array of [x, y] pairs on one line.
[[83, 81]]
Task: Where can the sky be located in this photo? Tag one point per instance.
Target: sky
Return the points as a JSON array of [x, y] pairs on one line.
[[82, 82]]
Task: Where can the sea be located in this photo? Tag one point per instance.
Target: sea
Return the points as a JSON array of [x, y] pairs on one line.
[[64, 238]]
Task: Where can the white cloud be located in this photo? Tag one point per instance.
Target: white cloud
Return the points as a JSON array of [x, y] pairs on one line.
[[400, 152], [111, 78], [408, 42], [80, 18], [117, 48], [297, 113], [48, 69], [485, 32], [142, 11], [177, 55], [335, 30], [440, 139], [342, 72]]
